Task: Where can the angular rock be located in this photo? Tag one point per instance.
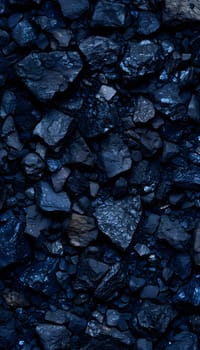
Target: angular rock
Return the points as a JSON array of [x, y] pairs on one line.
[[143, 344], [58, 316], [112, 317], [141, 59], [15, 299], [53, 337], [170, 150], [197, 245], [8, 334], [108, 14], [23, 33], [50, 201], [155, 318], [54, 127], [148, 23], [194, 108], [47, 73], [97, 119], [107, 92], [144, 110], [111, 283], [151, 142], [90, 272], [181, 11], [104, 342], [59, 178], [183, 341], [115, 156], [40, 276], [82, 230], [169, 102], [99, 51], [78, 152], [95, 329], [73, 9], [188, 295], [33, 165], [14, 247], [35, 221], [172, 232], [188, 178], [118, 219], [182, 265]]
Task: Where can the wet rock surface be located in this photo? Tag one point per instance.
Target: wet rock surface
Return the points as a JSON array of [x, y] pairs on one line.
[[99, 175]]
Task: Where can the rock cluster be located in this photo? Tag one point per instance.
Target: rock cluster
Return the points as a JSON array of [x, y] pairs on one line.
[[99, 175]]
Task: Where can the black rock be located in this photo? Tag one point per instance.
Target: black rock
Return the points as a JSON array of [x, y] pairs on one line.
[[33, 165], [143, 344], [113, 281], [53, 127], [155, 318], [50, 201], [136, 283], [118, 219], [58, 316], [169, 102], [53, 337], [99, 51], [90, 272], [40, 276], [141, 59], [170, 150], [23, 33], [187, 178], [14, 247], [8, 334], [48, 73], [104, 342], [172, 232], [73, 9], [59, 178], [148, 23], [197, 245], [194, 108], [115, 156], [188, 295], [107, 14], [151, 142], [144, 110], [149, 292], [182, 265], [183, 341], [97, 119], [78, 152], [35, 221], [77, 324]]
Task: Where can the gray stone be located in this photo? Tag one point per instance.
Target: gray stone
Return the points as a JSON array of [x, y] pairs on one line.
[[78, 152], [50, 201], [115, 156], [107, 92], [53, 127], [118, 219], [155, 318], [73, 9], [108, 14], [99, 51], [47, 73], [172, 232], [141, 59], [33, 165], [53, 337], [35, 221], [144, 110], [113, 281], [142, 249], [151, 142], [181, 11], [82, 230]]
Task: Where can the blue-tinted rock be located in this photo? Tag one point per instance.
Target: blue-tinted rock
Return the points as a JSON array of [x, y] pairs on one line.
[[53, 337], [183, 341], [50, 201], [148, 23], [189, 294], [23, 33], [73, 9], [187, 178], [14, 247], [48, 73], [108, 14]]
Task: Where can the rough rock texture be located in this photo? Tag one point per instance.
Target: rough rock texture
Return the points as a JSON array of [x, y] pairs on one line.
[[73, 9], [53, 337], [181, 10], [50, 201], [50, 72], [118, 219]]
